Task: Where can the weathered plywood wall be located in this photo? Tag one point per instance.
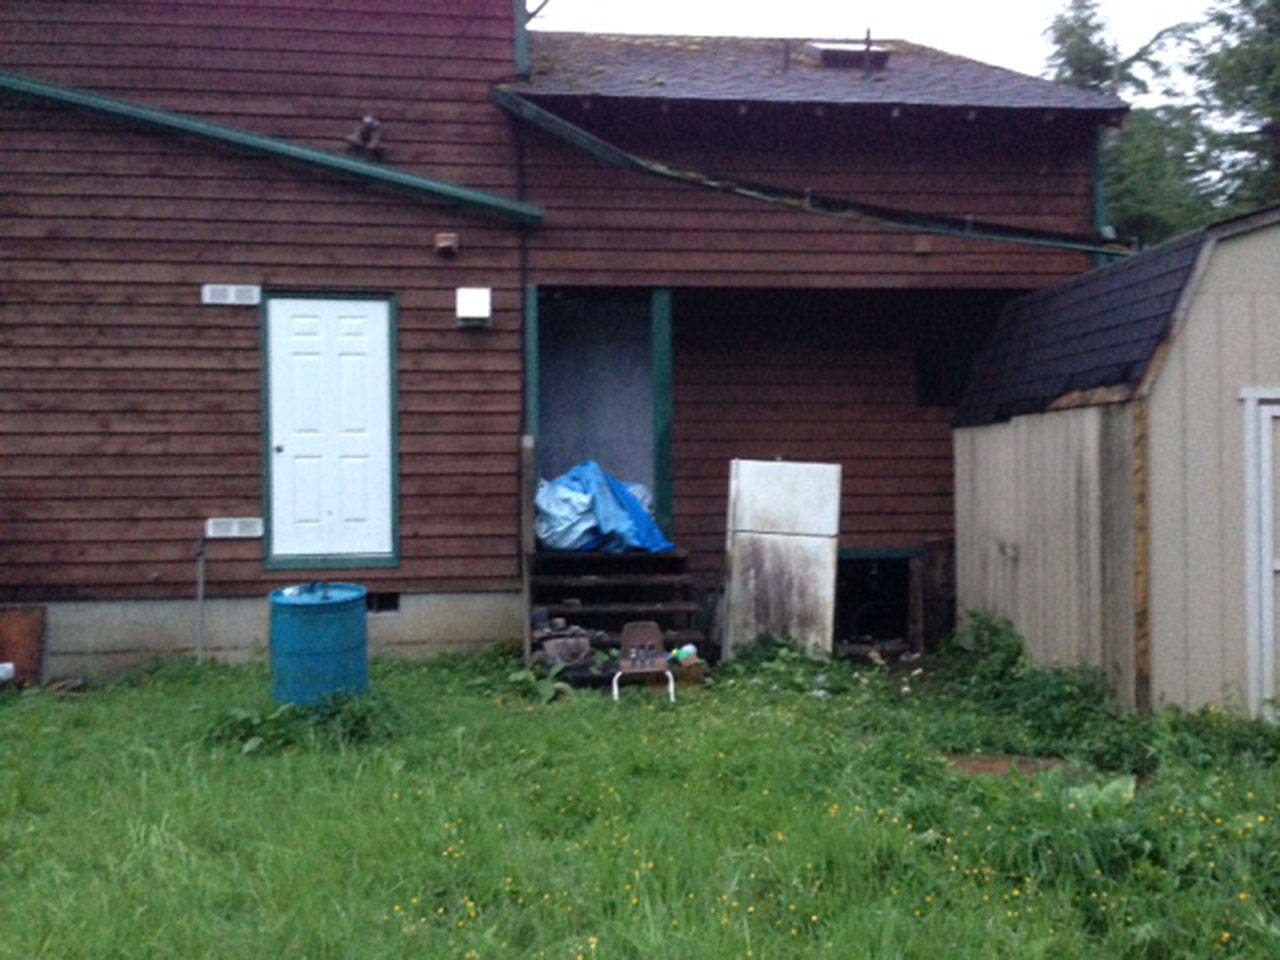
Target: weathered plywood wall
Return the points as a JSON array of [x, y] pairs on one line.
[[129, 412], [1230, 340], [1044, 533]]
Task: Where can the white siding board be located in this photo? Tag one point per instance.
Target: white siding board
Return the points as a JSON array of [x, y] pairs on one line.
[[1235, 315], [1030, 536], [1166, 522], [1202, 442], [1116, 571]]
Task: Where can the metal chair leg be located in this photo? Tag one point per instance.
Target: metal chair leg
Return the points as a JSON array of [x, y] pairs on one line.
[[671, 685], [616, 677]]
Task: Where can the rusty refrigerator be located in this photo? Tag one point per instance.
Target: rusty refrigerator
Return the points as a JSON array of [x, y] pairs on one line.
[[781, 546]]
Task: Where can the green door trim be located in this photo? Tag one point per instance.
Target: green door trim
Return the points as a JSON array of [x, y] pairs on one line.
[[332, 561], [660, 327], [660, 321]]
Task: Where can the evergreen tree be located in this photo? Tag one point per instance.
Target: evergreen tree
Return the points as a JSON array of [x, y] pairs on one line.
[[1157, 170], [1240, 70]]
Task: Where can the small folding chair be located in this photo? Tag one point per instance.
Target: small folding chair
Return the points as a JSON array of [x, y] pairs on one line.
[[642, 654]]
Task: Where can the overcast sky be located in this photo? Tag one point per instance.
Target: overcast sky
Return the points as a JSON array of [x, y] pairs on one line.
[[1009, 33]]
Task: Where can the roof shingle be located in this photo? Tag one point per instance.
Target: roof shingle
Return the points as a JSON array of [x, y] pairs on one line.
[[782, 71], [1098, 330]]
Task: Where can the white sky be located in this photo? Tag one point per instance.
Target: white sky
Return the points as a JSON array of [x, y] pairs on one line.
[[1009, 33]]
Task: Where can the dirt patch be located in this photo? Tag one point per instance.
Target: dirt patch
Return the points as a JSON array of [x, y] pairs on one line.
[[999, 764]]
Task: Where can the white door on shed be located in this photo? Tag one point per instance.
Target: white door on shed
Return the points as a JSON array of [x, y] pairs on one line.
[[329, 428]]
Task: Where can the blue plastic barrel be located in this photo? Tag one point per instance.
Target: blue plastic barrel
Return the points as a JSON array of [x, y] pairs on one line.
[[319, 643]]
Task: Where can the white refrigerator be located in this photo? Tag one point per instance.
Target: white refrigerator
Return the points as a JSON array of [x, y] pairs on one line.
[[781, 549]]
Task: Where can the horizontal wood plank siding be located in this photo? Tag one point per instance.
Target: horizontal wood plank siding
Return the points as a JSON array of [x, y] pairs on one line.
[[133, 413], [614, 227], [800, 377]]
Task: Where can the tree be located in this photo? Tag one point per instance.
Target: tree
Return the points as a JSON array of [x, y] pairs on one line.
[[1084, 57], [1157, 170], [1240, 70], [1159, 173]]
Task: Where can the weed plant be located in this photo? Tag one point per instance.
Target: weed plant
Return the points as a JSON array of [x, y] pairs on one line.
[[791, 809]]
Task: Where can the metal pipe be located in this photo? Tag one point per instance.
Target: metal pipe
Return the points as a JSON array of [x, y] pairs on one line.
[[200, 552]]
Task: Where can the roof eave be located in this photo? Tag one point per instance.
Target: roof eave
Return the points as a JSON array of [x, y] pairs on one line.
[[1101, 114], [489, 204]]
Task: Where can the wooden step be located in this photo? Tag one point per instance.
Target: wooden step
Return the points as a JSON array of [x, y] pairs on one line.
[[592, 581], [636, 611], [569, 562]]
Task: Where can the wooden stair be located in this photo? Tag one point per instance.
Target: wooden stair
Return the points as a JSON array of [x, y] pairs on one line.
[[603, 591]]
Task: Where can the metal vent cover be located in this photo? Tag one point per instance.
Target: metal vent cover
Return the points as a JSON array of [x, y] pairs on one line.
[[231, 294], [233, 528]]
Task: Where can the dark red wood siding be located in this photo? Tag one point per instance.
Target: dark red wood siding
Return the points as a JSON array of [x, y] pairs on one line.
[[614, 227], [130, 413], [831, 378]]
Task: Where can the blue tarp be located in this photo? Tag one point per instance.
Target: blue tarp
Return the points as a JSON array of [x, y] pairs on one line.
[[587, 509]]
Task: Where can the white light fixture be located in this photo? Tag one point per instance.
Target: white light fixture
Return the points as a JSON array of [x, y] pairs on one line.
[[474, 306]]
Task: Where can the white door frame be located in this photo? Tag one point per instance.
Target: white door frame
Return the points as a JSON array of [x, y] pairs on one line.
[[385, 556], [1261, 410]]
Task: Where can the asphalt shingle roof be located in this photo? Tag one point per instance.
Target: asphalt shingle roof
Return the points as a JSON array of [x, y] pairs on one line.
[[782, 71], [1098, 330]]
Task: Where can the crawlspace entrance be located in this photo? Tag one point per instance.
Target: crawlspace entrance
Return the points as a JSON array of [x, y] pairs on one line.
[[872, 599]]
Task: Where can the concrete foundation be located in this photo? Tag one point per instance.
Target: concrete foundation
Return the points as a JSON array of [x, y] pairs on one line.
[[96, 640]]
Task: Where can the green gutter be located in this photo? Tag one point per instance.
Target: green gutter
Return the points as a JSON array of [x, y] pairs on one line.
[[805, 200], [486, 203], [1101, 215]]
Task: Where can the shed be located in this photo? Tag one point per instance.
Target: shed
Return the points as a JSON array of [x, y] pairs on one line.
[[1115, 469]]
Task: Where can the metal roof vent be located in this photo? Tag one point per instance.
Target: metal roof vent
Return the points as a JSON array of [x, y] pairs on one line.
[[851, 54]]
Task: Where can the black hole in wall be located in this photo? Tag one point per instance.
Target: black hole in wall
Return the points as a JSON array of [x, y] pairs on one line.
[[382, 602], [872, 599]]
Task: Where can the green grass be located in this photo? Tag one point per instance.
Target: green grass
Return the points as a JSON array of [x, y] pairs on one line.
[[450, 816]]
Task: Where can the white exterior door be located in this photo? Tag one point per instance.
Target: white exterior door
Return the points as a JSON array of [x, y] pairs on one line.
[[329, 430]]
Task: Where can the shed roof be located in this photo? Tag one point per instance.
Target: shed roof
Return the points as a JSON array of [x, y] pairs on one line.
[[1097, 332], [783, 71]]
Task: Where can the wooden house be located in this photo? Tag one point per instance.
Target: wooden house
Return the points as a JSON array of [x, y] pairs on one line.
[[1115, 470], [323, 264]]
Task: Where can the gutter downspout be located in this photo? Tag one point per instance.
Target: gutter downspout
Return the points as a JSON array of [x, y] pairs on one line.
[[520, 19], [1097, 175]]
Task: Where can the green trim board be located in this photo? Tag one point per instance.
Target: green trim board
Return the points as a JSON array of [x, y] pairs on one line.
[[487, 203], [520, 52], [660, 361], [336, 561], [887, 553]]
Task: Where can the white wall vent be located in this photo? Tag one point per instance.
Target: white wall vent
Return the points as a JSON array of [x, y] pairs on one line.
[[232, 528], [231, 294]]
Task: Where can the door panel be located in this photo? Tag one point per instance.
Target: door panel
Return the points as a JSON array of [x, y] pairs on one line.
[[330, 428]]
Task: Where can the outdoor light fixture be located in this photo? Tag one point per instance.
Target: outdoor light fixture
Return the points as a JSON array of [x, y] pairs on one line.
[[366, 138], [474, 306]]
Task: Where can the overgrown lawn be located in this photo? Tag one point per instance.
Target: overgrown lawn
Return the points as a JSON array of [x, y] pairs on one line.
[[789, 810]]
